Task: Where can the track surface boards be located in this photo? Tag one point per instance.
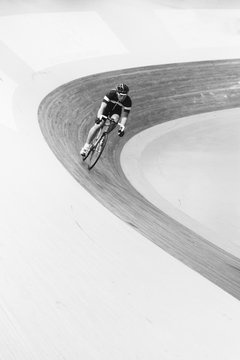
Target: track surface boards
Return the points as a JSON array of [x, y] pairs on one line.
[[160, 94]]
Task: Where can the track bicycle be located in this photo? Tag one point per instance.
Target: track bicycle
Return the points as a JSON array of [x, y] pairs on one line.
[[99, 142]]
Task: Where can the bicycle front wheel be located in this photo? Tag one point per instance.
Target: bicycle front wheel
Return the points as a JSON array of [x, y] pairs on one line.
[[93, 144], [97, 150]]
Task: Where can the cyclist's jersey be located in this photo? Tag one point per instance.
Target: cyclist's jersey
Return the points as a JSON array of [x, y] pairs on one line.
[[114, 106]]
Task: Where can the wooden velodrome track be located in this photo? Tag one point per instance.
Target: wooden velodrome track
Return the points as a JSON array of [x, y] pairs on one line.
[[160, 93]]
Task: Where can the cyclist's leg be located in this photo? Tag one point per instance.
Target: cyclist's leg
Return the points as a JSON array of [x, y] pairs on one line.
[[91, 135], [115, 118], [93, 132]]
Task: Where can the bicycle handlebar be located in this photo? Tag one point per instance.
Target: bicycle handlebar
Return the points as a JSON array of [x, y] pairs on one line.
[[109, 118]]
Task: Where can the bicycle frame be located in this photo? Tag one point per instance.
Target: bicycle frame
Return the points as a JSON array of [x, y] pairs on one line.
[[98, 144]]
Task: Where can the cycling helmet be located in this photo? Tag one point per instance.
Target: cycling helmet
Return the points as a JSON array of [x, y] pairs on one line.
[[122, 88]]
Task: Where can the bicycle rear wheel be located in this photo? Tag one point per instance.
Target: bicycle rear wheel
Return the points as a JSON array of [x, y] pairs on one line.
[[97, 150]]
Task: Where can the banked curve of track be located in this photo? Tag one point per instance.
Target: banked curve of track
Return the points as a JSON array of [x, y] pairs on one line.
[[160, 93]]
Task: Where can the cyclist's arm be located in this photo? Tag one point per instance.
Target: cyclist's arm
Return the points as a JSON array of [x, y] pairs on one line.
[[124, 118], [101, 110]]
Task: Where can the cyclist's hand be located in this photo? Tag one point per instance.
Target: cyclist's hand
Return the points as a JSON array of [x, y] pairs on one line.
[[99, 119], [121, 130]]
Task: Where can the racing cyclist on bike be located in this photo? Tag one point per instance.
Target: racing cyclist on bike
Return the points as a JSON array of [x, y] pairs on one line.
[[117, 105]]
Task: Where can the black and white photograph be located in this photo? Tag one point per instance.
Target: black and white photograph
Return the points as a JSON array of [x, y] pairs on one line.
[[120, 173]]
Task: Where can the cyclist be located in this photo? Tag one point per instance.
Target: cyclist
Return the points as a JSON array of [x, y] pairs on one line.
[[115, 104]]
